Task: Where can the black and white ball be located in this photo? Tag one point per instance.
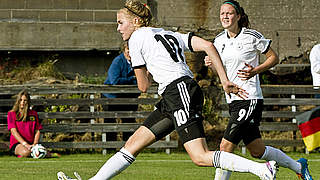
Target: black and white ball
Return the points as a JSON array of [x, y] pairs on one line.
[[38, 151]]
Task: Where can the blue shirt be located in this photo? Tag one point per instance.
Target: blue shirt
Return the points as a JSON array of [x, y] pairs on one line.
[[120, 73]]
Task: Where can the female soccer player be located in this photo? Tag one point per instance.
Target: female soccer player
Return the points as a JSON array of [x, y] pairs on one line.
[[23, 125], [239, 48], [159, 54]]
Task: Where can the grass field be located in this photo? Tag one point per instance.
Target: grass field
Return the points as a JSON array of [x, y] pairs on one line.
[[148, 166]]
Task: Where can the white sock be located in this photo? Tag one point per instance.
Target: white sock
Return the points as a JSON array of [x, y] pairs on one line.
[[115, 165], [222, 174], [281, 158], [232, 162]]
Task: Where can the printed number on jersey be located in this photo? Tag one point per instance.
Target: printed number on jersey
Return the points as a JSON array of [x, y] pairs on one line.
[[181, 117], [172, 46]]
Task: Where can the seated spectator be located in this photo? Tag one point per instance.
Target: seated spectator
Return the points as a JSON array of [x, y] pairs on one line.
[[23, 125], [120, 72]]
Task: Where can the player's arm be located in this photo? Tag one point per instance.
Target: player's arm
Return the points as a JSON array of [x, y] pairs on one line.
[[36, 137], [144, 78], [250, 71], [315, 59], [19, 138], [199, 44]]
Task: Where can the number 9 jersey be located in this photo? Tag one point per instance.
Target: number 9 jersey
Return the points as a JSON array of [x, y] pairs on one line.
[[162, 53]]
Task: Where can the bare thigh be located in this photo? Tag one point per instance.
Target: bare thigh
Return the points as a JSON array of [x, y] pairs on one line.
[[140, 139], [199, 152]]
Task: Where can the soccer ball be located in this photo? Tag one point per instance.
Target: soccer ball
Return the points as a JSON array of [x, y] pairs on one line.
[[38, 151]]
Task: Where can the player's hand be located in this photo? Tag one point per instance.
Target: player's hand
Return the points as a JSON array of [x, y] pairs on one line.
[[245, 74], [28, 146], [207, 61], [230, 87]]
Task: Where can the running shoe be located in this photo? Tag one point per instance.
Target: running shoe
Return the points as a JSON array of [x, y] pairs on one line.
[[305, 173], [270, 171], [62, 176]]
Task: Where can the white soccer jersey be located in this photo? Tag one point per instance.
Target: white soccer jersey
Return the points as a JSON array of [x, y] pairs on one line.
[[162, 52], [235, 52], [315, 64]]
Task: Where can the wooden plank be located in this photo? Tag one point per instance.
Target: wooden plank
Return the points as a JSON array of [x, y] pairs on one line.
[[270, 114], [71, 89], [87, 127], [291, 102], [4, 129], [105, 145], [281, 142], [285, 101], [278, 126], [284, 142], [289, 89], [4, 145], [292, 65], [102, 101], [131, 127], [82, 127], [89, 115]]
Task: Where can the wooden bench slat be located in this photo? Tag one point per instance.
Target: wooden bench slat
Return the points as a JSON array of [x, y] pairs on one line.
[[270, 114], [72, 89], [289, 89], [84, 127], [278, 126], [286, 101], [108, 144], [284, 142], [98, 101], [89, 115]]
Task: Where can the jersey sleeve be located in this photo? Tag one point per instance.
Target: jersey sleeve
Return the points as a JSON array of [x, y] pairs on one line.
[[11, 118], [262, 44], [315, 59], [38, 124], [186, 38], [135, 49]]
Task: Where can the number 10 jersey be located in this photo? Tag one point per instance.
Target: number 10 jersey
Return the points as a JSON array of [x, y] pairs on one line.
[[162, 53]]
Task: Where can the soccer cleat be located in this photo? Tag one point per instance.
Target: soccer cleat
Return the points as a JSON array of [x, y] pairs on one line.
[[270, 170], [62, 176], [305, 174], [77, 175]]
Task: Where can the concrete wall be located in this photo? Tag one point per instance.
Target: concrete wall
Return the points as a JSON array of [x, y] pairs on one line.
[[59, 24], [293, 25], [82, 25]]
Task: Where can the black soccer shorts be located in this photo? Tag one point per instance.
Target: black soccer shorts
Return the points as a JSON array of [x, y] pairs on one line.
[[245, 117], [179, 109]]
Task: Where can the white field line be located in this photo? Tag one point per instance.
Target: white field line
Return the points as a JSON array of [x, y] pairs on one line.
[[95, 161], [91, 161]]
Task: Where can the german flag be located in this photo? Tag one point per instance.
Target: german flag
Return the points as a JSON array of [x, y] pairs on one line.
[[309, 125]]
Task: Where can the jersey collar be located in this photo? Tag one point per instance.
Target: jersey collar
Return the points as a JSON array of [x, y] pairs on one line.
[[236, 35]]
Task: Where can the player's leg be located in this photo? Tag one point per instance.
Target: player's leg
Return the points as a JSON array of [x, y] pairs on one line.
[[198, 152], [192, 136], [259, 150], [225, 146], [21, 151], [152, 130], [141, 138], [241, 115]]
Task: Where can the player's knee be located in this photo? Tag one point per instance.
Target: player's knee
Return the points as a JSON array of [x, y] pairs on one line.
[[25, 153], [256, 154]]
